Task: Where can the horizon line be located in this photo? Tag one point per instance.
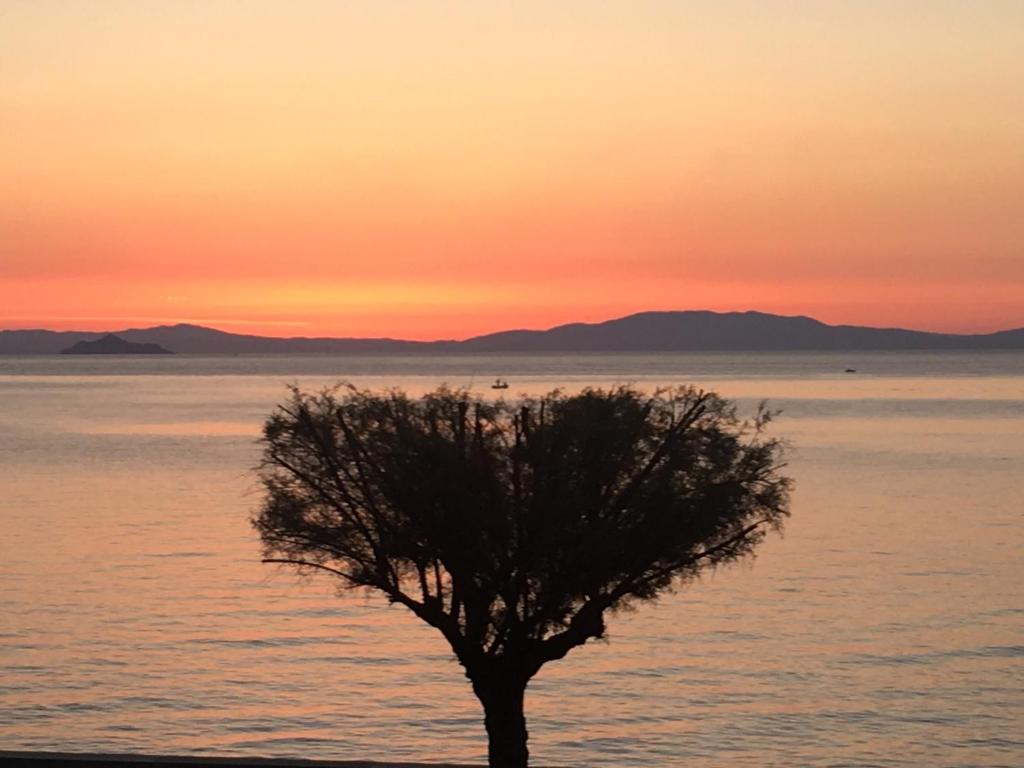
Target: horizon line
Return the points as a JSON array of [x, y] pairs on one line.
[[201, 323]]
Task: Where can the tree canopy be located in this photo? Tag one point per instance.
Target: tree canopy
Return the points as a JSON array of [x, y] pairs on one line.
[[514, 527]]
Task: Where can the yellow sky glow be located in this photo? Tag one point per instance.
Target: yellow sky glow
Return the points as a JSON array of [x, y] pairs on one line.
[[424, 170]]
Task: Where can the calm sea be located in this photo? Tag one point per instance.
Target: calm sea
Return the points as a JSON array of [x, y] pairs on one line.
[[886, 628]]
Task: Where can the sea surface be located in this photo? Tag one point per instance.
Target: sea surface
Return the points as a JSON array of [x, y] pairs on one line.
[[885, 628]]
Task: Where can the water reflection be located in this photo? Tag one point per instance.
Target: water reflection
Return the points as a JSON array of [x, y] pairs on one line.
[[883, 629]]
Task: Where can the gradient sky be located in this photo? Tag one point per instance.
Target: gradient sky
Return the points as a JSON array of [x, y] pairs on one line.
[[441, 169]]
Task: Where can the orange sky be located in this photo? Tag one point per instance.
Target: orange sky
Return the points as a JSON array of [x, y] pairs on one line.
[[425, 170]]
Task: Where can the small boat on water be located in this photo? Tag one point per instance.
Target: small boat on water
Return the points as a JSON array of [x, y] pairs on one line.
[[851, 370], [499, 384]]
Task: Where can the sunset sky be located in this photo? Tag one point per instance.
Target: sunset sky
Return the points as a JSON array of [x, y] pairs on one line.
[[442, 169]]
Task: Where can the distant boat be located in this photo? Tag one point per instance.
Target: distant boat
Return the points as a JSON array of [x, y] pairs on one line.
[[851, 370], [499, 384]]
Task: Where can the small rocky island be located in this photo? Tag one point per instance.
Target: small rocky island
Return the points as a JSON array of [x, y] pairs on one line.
[[114, 345]]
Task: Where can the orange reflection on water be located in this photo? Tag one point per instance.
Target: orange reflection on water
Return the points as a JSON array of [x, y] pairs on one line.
[[137, 616]]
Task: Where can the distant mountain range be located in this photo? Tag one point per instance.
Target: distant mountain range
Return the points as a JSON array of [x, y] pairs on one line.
[[685, 331], [114, 345]]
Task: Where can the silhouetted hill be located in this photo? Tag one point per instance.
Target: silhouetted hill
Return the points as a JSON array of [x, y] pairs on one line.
[[643, 332], [195, 339], [40, 342], [1004, 339], [114, 345], [713, 331]]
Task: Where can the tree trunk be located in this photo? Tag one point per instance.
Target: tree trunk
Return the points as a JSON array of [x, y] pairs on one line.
[[502, 699]]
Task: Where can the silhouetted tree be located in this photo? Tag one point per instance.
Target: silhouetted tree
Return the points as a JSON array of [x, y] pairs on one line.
[[514, 527]]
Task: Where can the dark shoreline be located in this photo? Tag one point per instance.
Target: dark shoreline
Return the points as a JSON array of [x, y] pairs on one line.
[[33, 759]]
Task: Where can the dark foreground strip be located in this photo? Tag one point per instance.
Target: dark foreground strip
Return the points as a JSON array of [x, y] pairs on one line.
[[72, 760]]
